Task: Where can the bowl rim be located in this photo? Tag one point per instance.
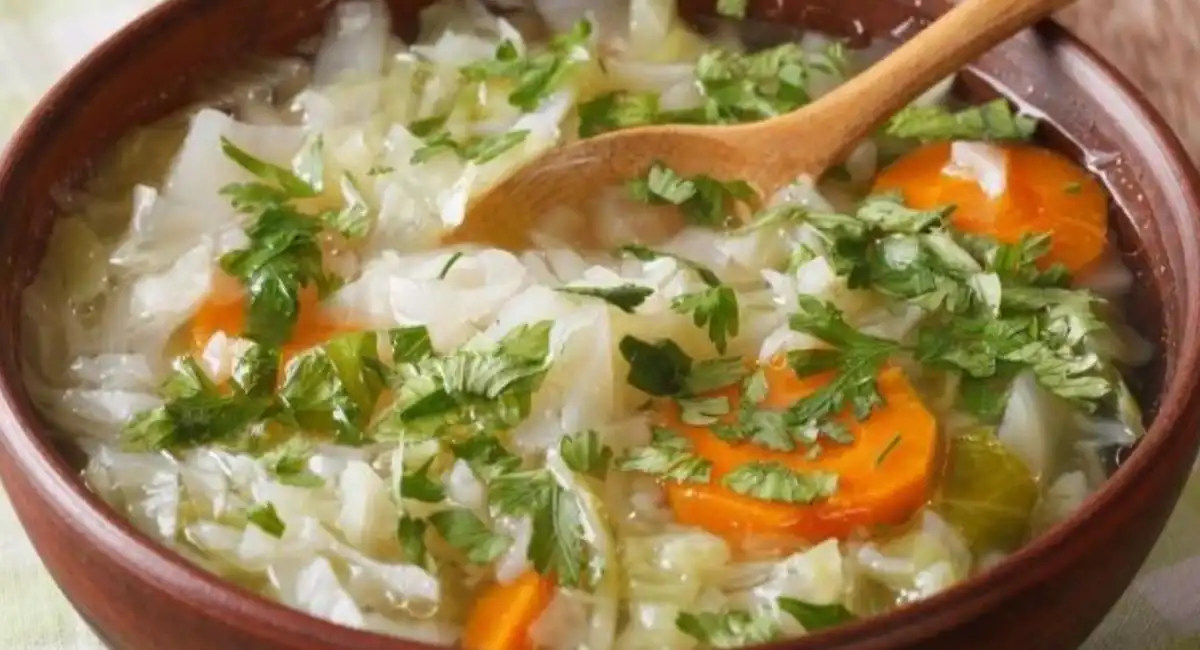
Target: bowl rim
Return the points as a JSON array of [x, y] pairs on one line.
[[28, 441]]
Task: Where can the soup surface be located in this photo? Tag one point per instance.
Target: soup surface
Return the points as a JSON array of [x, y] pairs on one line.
[[874, 386]]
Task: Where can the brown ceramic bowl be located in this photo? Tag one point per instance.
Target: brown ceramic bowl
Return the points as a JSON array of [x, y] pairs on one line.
[[1049, 595]]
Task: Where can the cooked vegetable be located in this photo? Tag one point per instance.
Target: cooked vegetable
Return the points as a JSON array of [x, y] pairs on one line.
[[866, 493], [797, 411], [501, 617]]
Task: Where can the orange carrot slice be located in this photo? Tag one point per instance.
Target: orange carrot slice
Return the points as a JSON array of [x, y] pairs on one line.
[[1044, 193], [884, 474], [227, 314], [501, 617]]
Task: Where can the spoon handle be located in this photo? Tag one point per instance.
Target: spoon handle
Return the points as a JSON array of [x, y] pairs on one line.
[[862, 104]]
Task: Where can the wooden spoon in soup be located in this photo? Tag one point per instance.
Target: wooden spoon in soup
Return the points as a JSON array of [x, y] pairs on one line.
[[768, 155]]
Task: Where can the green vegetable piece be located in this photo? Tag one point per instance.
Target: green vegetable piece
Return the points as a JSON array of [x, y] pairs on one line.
[[729, 629], [992, 121], [815, 617], [467, 533], [265, 517], [669, 456], [986, 492], [585, 454], [770, 481], [334, 387], [626, 297]]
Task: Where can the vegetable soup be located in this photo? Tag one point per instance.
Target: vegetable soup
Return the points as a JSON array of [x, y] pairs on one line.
[[782, 418]]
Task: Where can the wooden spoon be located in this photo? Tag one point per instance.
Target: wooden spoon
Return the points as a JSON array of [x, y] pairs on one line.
[[769, 154]]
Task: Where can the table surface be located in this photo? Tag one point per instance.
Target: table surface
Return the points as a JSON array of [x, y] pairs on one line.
[[39, 39]]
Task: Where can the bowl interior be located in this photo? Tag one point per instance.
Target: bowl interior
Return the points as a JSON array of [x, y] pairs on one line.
[[185, 43]]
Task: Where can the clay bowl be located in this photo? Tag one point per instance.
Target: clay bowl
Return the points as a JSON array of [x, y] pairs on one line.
[[1049, 595]]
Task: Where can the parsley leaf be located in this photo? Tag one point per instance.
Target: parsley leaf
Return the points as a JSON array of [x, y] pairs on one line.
[[994, 120], [277, 182], [467, 533], [585, 454], [703, 200], [729, 629], [283, 257], [815, 617], [257, 370], [714, 374], [334, 387], [195, 413], [481, 386], [289, 464], [626, 297], [660, 369], [420, 486], [749, 87], [669, 456], [770, 481], [535, 75], [714, 308], [265, 517], [859, 358], [353, 221], [410, 344], [410, 532], [617, 110], [556, 546], [479, 150], [486, 456]]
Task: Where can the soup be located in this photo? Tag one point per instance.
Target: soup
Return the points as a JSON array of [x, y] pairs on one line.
[[849, 399]]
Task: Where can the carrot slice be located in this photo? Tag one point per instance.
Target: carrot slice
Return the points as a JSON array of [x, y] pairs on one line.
[[227, 313], [882, 479], [1044, 192], [501, 617]]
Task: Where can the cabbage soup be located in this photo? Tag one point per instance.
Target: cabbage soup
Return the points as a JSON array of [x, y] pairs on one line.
[[848, 399]]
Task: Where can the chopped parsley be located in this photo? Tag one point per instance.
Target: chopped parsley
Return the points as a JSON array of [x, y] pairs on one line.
[[410, 344], [626, 297], [585, 454], [450, 262], [557, 546], [770, 481], [195, 412], [289, 464], [660, 368], [534, 75], [482, 386], [728, 629], [994, 120], [486, 456], [282, 258], [265, 517], [479, 150], [715, 307], [617, 110], [668, 456], [703, 200], [410, 532], [334, 387], [888, 449], [420, 486], [353, 221], [815, 617], [463, 530]]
